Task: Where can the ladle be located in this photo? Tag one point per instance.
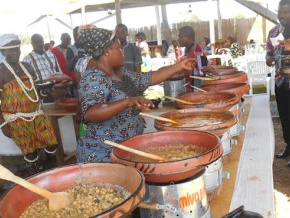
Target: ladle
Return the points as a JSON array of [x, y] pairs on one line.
[[202, 78], [135, 151], [56, 200], [160, 118], [176, 99], [199, 89]]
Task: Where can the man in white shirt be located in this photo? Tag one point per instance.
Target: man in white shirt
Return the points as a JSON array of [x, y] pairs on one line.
[[43, 62]]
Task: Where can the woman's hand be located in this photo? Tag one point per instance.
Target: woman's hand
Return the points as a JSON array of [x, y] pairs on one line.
[[187, 63], [6, 131], [140, 103], [285, 43], [270, 61]]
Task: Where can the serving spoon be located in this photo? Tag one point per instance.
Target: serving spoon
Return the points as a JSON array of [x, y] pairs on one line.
[[179, 100], [135, 151], [202, 78], [199, 89], [56, 200], [160, 118]]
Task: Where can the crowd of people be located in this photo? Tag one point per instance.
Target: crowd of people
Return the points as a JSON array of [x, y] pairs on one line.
[[107, 78]]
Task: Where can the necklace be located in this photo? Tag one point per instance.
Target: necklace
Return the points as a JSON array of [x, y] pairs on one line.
[[20, 82]]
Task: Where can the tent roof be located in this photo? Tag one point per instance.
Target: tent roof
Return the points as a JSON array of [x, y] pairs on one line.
[[130, 4]]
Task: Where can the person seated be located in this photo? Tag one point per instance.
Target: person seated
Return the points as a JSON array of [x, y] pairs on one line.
[[235, 50], [206, 46]]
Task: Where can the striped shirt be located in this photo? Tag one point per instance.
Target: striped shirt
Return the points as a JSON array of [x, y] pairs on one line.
[[44, 64]]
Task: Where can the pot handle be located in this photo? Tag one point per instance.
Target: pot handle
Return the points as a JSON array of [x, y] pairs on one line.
[[151, 206]]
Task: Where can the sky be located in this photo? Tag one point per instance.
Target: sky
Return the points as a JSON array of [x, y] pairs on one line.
[[17, 19]]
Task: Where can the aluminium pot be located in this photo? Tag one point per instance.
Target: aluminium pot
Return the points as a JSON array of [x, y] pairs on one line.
[[170, 171], [216, 121], [238, 88], [18, 198], [224, 100]]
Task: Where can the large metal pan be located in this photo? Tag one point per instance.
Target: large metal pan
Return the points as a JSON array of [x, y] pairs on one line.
[[18, 198], [222, 100], [171, 171]]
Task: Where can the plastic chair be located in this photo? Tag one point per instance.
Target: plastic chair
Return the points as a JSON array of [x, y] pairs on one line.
[[225, 58], [258, 74]]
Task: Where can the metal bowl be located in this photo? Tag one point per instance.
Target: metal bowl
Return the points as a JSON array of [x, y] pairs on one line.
[[45, 85]]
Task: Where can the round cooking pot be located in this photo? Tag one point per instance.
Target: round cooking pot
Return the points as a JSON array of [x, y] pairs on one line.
[[69, 104], [225, 100], [18, 198], [216, 121], [171, 171], [235, 78], [219, 69], [222, 75], [238, 88]]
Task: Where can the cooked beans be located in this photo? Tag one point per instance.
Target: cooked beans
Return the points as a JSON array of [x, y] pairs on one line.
[[174, 151], [90, 200]]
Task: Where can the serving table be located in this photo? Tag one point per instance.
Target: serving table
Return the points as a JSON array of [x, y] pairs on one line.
[[251, 179], [54, 112]]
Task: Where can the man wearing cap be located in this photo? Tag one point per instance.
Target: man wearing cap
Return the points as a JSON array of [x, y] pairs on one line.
[[21, 117]]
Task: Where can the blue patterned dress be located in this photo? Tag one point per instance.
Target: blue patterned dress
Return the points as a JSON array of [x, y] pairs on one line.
[[96, 88]]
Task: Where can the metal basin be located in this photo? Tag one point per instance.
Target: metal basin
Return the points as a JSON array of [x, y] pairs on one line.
[[171, 171], [18, 198]]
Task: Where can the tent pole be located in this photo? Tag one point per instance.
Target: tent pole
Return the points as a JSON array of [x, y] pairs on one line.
[[118, 11], [84, 20], [211, 24], [220, 34], [48, 29], [159, 41]]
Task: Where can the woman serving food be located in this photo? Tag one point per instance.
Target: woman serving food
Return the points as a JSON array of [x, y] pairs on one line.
[[110, 104]]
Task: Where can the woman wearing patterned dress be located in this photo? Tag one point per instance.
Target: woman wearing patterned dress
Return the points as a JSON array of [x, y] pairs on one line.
[[109, 99]]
